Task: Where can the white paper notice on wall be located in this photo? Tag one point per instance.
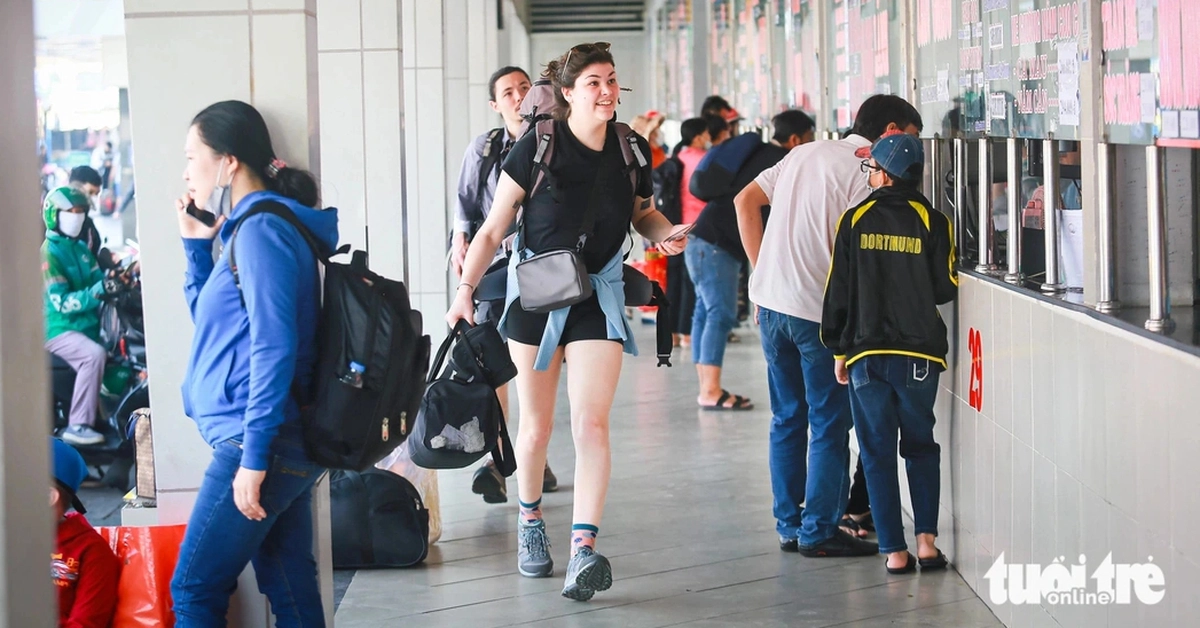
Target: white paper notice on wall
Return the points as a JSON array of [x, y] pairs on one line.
[[1149, 99], [1145, 17], [1170, 123], [1068, 83], [943, 85], [1189, 124]]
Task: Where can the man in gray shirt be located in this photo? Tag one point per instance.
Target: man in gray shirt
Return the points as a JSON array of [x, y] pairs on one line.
[[476, 188]]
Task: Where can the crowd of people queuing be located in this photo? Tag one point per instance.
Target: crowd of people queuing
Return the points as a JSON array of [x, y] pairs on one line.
[[832, 242]]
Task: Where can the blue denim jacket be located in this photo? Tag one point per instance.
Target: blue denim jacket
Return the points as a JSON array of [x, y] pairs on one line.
[[609, 286]]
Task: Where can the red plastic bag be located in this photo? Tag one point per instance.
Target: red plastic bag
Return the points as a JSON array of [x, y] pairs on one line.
[[148, 556]]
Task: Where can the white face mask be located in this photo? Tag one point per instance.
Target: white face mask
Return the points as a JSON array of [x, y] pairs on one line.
[[219, 201], [70, 224]]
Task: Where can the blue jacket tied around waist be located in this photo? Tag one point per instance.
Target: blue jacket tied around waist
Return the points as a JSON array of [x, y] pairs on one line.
[[609, 286], [244, 359]]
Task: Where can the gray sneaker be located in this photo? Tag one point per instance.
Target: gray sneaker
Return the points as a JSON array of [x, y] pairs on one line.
[[533, 551], [82, 435], [587, 573]]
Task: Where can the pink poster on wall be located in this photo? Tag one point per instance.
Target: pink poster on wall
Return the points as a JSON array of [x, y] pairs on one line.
[[1179, 73]]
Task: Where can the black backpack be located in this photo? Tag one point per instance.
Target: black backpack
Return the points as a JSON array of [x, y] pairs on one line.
[[371, 359], [668, 182], [461, 419], [378, 520]]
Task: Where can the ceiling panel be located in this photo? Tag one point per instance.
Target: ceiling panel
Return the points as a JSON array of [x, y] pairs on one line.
[[564, 16]]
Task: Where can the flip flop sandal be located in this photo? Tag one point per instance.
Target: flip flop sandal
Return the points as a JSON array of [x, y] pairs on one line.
[[908, 567], [867, 522], [935, 563], [739, 403], [852, 527]]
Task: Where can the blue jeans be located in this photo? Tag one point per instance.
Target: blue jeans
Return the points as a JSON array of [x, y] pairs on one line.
[[805, 396], [220, 542], [714, 272], [890, 395]]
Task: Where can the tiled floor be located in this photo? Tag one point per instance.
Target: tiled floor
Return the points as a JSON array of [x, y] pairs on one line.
[[688, 528]]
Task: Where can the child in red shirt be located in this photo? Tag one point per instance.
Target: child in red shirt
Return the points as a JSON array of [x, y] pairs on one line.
[[84, 568]]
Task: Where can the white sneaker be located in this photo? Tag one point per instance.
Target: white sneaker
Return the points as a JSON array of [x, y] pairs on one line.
[[82, 435]]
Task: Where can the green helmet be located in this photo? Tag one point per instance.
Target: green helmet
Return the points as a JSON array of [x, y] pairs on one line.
[[59, 199]]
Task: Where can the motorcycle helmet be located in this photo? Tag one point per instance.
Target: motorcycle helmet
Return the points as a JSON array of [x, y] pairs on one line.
[[59, 199]]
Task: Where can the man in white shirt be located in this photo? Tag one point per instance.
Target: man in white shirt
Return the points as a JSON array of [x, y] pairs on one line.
[[808, 192]]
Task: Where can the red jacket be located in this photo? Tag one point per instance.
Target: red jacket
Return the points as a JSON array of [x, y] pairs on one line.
[[85, 572]]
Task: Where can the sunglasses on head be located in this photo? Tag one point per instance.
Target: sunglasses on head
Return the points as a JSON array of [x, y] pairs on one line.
[[600, 46]]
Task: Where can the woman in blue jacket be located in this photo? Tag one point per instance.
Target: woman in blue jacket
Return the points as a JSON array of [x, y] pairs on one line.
[[250, 347]]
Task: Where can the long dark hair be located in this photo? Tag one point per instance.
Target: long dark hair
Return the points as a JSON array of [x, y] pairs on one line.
[[232, 127], [565, 70]]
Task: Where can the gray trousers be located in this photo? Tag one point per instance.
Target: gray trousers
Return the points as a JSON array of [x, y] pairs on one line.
[[87, 358]]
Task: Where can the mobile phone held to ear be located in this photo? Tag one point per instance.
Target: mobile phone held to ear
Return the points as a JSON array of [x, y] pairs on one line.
[[208, 218]]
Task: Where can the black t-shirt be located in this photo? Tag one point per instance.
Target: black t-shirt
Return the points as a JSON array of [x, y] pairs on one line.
[[718, 222], [553, 214]]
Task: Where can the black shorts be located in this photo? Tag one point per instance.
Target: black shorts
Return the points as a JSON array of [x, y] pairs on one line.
[[585, 321]]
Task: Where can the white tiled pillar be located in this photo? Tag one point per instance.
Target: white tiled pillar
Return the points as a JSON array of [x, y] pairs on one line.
[[26, 598], [451, 46], [185, 55], [362, 126]]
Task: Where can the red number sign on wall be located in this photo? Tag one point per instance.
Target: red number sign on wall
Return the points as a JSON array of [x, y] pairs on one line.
[[975, 389]]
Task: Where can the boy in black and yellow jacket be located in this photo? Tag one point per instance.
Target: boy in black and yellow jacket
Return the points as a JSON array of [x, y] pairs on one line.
[[893, 264]]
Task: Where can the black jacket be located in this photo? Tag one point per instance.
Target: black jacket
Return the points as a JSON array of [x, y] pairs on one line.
[[893, 264]]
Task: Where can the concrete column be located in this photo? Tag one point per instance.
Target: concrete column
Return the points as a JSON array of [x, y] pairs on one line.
[[1091, 132], [451, 47], [184, 55], [362, 128], [25, 523], [425, 159]]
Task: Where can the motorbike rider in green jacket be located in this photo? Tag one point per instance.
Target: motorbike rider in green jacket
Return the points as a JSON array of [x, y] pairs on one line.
[[74, 284]]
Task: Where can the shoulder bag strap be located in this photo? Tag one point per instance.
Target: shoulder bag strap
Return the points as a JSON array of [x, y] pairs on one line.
[[492, 149]]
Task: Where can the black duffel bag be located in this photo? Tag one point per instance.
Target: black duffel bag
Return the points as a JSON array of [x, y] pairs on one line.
[[461, 419], [378, 520]]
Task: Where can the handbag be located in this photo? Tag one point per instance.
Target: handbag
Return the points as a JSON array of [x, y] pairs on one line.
[[460, 419], [557, 278], [484, 348], [378, 519]]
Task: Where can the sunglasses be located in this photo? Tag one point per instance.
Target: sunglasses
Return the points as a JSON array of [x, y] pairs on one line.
[[600, 46]]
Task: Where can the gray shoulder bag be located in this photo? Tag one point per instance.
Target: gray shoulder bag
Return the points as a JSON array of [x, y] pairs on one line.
[[556, 278]]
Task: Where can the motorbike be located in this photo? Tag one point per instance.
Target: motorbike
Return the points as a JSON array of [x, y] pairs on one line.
[[126, 386]]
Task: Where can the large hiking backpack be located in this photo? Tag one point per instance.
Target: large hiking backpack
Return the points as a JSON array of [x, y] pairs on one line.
[[372, 359], [539, 104], [378, 520], [538, 109]]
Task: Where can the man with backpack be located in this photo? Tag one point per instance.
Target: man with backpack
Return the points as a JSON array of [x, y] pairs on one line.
[[476, 187]]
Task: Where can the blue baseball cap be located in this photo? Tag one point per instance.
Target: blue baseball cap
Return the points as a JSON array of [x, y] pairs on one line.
[[899, 153], [69, 470]]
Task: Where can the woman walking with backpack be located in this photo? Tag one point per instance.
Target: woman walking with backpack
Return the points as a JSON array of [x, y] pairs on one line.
[[585, 201], [251, 345]]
